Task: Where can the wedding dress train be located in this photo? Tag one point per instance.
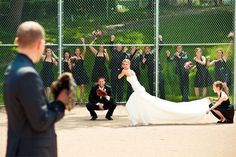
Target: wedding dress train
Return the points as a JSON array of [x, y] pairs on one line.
[[145, 109]]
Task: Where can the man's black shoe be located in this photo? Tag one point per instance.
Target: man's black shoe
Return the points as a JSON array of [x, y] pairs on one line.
[[109, 118], [93, 118]]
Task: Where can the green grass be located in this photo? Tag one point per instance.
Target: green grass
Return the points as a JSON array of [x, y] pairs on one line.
[[202, 28]]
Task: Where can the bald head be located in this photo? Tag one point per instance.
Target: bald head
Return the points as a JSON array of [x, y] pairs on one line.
[[29, 33]]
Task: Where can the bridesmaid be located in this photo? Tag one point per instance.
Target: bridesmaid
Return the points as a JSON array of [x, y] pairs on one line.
[[78, 69], [203, 78], [47, 69], [221, 72], [66, 62], [99, 68]]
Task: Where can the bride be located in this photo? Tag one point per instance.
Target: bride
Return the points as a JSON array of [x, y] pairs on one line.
[[145, 109]]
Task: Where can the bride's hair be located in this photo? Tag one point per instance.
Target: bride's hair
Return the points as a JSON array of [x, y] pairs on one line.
[[126, 61]]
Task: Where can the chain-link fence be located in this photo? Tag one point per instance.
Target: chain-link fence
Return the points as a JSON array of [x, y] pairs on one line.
[[202, 28], [193, 24]]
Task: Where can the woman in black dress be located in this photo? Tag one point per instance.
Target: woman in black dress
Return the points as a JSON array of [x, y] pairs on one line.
[[99, 68], [47, 69], [78, 70], [222, 109], [66, 62], [221, 71], [203, 78]]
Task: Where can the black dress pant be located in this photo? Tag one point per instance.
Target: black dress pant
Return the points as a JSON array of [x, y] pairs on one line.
[[107, 106], [184, 86], [117, 85], [150, 82], [161, 86]]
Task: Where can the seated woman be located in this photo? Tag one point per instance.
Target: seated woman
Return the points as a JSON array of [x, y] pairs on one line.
[[222, 109]]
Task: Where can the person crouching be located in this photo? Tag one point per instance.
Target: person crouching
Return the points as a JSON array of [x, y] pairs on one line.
[[101, 98]]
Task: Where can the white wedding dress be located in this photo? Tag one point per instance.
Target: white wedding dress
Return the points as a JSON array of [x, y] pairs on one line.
[[145, 109]]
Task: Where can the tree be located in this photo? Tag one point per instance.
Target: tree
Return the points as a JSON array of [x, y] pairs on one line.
[[14, 16]]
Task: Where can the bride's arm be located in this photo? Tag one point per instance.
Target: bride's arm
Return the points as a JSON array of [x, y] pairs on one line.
[[121, 74]]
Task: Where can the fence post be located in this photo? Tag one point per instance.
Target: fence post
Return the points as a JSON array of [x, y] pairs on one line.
[[156, 27], [234, 57], [107, 9], [60, 35]]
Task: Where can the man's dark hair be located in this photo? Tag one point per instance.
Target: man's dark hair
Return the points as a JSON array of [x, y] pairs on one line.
[[101, 77]]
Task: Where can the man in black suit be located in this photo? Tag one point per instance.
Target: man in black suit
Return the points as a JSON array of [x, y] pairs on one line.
[[117, 56], [31, 117], [148, 60], [104, 102], [180, 59]]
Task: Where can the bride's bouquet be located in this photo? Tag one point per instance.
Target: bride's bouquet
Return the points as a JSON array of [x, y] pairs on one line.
[[96, 34], [188, 65]]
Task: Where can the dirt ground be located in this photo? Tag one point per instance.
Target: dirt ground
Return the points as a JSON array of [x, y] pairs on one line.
[[79, 137]]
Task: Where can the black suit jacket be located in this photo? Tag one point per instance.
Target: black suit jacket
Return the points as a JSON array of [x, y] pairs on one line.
[[149, 62], [94, 98], [31, 117], [180, 70], [116, 59], [135, 63]]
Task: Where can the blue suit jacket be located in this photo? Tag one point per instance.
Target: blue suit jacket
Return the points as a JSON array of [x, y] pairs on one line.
[[31, 117]]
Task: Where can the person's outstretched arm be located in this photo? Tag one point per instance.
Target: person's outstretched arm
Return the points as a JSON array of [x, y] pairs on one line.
[[227, 53], [93, 50], [121, 74], [112, 43], [106, 55], [54, 55], [84, 48], [54, 61], [111, 64]]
